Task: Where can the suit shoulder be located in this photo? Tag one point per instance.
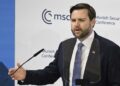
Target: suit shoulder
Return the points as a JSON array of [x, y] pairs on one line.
[[69, 40], [107, 42]]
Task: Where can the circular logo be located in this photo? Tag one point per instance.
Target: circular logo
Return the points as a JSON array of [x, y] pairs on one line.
[[46, 16]]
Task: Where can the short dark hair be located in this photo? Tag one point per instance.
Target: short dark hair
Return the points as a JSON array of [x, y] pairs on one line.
[[91, 10]]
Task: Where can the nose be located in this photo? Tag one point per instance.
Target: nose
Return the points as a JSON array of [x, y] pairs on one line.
[[77, 23]]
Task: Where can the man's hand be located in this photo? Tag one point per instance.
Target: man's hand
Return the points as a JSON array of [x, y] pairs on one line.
[[20, 74]]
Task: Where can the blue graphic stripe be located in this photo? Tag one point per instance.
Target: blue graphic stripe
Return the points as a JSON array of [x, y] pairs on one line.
[[7, 32]]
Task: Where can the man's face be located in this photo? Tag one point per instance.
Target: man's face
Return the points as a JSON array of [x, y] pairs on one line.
[[81, 25]]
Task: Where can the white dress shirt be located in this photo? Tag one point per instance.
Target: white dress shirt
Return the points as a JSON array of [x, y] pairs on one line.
[[85, 52]]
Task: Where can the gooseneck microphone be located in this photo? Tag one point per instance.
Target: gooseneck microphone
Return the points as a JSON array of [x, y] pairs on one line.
[[27, 60]]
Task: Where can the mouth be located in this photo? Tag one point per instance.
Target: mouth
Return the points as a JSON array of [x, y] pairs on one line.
[[77, 30]]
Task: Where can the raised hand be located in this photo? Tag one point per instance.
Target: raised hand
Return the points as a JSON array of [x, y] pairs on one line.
[[20, 74]]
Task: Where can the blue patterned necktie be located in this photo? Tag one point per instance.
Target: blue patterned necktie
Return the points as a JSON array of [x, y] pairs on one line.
[[77, 65]]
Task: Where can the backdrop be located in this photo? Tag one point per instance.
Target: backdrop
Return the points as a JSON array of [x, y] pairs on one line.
[[7, 23], [7, 27], [44, 24]]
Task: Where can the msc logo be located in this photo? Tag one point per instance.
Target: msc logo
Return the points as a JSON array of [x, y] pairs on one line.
[[45, 16], [48, 17]]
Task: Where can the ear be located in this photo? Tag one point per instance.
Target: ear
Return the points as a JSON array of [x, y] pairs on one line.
[[93, 21]]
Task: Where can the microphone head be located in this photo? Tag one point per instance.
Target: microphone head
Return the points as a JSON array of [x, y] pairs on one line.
[[38, 52]]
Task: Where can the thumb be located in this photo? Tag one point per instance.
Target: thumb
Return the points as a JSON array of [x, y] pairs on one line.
[[18, 65]]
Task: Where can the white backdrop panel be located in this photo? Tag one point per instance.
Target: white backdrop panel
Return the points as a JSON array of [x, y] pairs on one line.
[[32, 32]]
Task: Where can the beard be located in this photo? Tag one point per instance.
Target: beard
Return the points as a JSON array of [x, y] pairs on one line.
[[81, 34]]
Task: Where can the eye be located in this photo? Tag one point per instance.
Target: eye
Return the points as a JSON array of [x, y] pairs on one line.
[[73, 20], [81, 20]]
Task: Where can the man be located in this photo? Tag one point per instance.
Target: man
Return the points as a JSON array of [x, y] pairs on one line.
[[100, 58], [5, 79]]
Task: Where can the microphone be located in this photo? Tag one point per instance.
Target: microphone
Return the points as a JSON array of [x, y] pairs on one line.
[[27, 61]]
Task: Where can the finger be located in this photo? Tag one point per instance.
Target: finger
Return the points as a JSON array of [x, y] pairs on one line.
[[18, 64], [12, 76], [11, 70]]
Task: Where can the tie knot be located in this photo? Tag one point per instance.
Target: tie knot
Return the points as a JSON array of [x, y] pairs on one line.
[[80, 45]]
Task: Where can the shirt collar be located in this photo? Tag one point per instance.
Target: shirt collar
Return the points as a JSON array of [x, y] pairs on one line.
[[88, 41]]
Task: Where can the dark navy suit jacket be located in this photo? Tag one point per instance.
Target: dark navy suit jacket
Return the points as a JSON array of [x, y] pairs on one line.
[[102, 68], [5, 79]]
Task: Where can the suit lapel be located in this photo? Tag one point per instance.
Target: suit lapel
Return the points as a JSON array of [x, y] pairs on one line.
[[92, 70], [68, 50], [93, 65]]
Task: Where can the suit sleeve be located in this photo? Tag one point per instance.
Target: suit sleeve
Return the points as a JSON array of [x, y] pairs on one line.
[[42, 77], [114, 67]]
